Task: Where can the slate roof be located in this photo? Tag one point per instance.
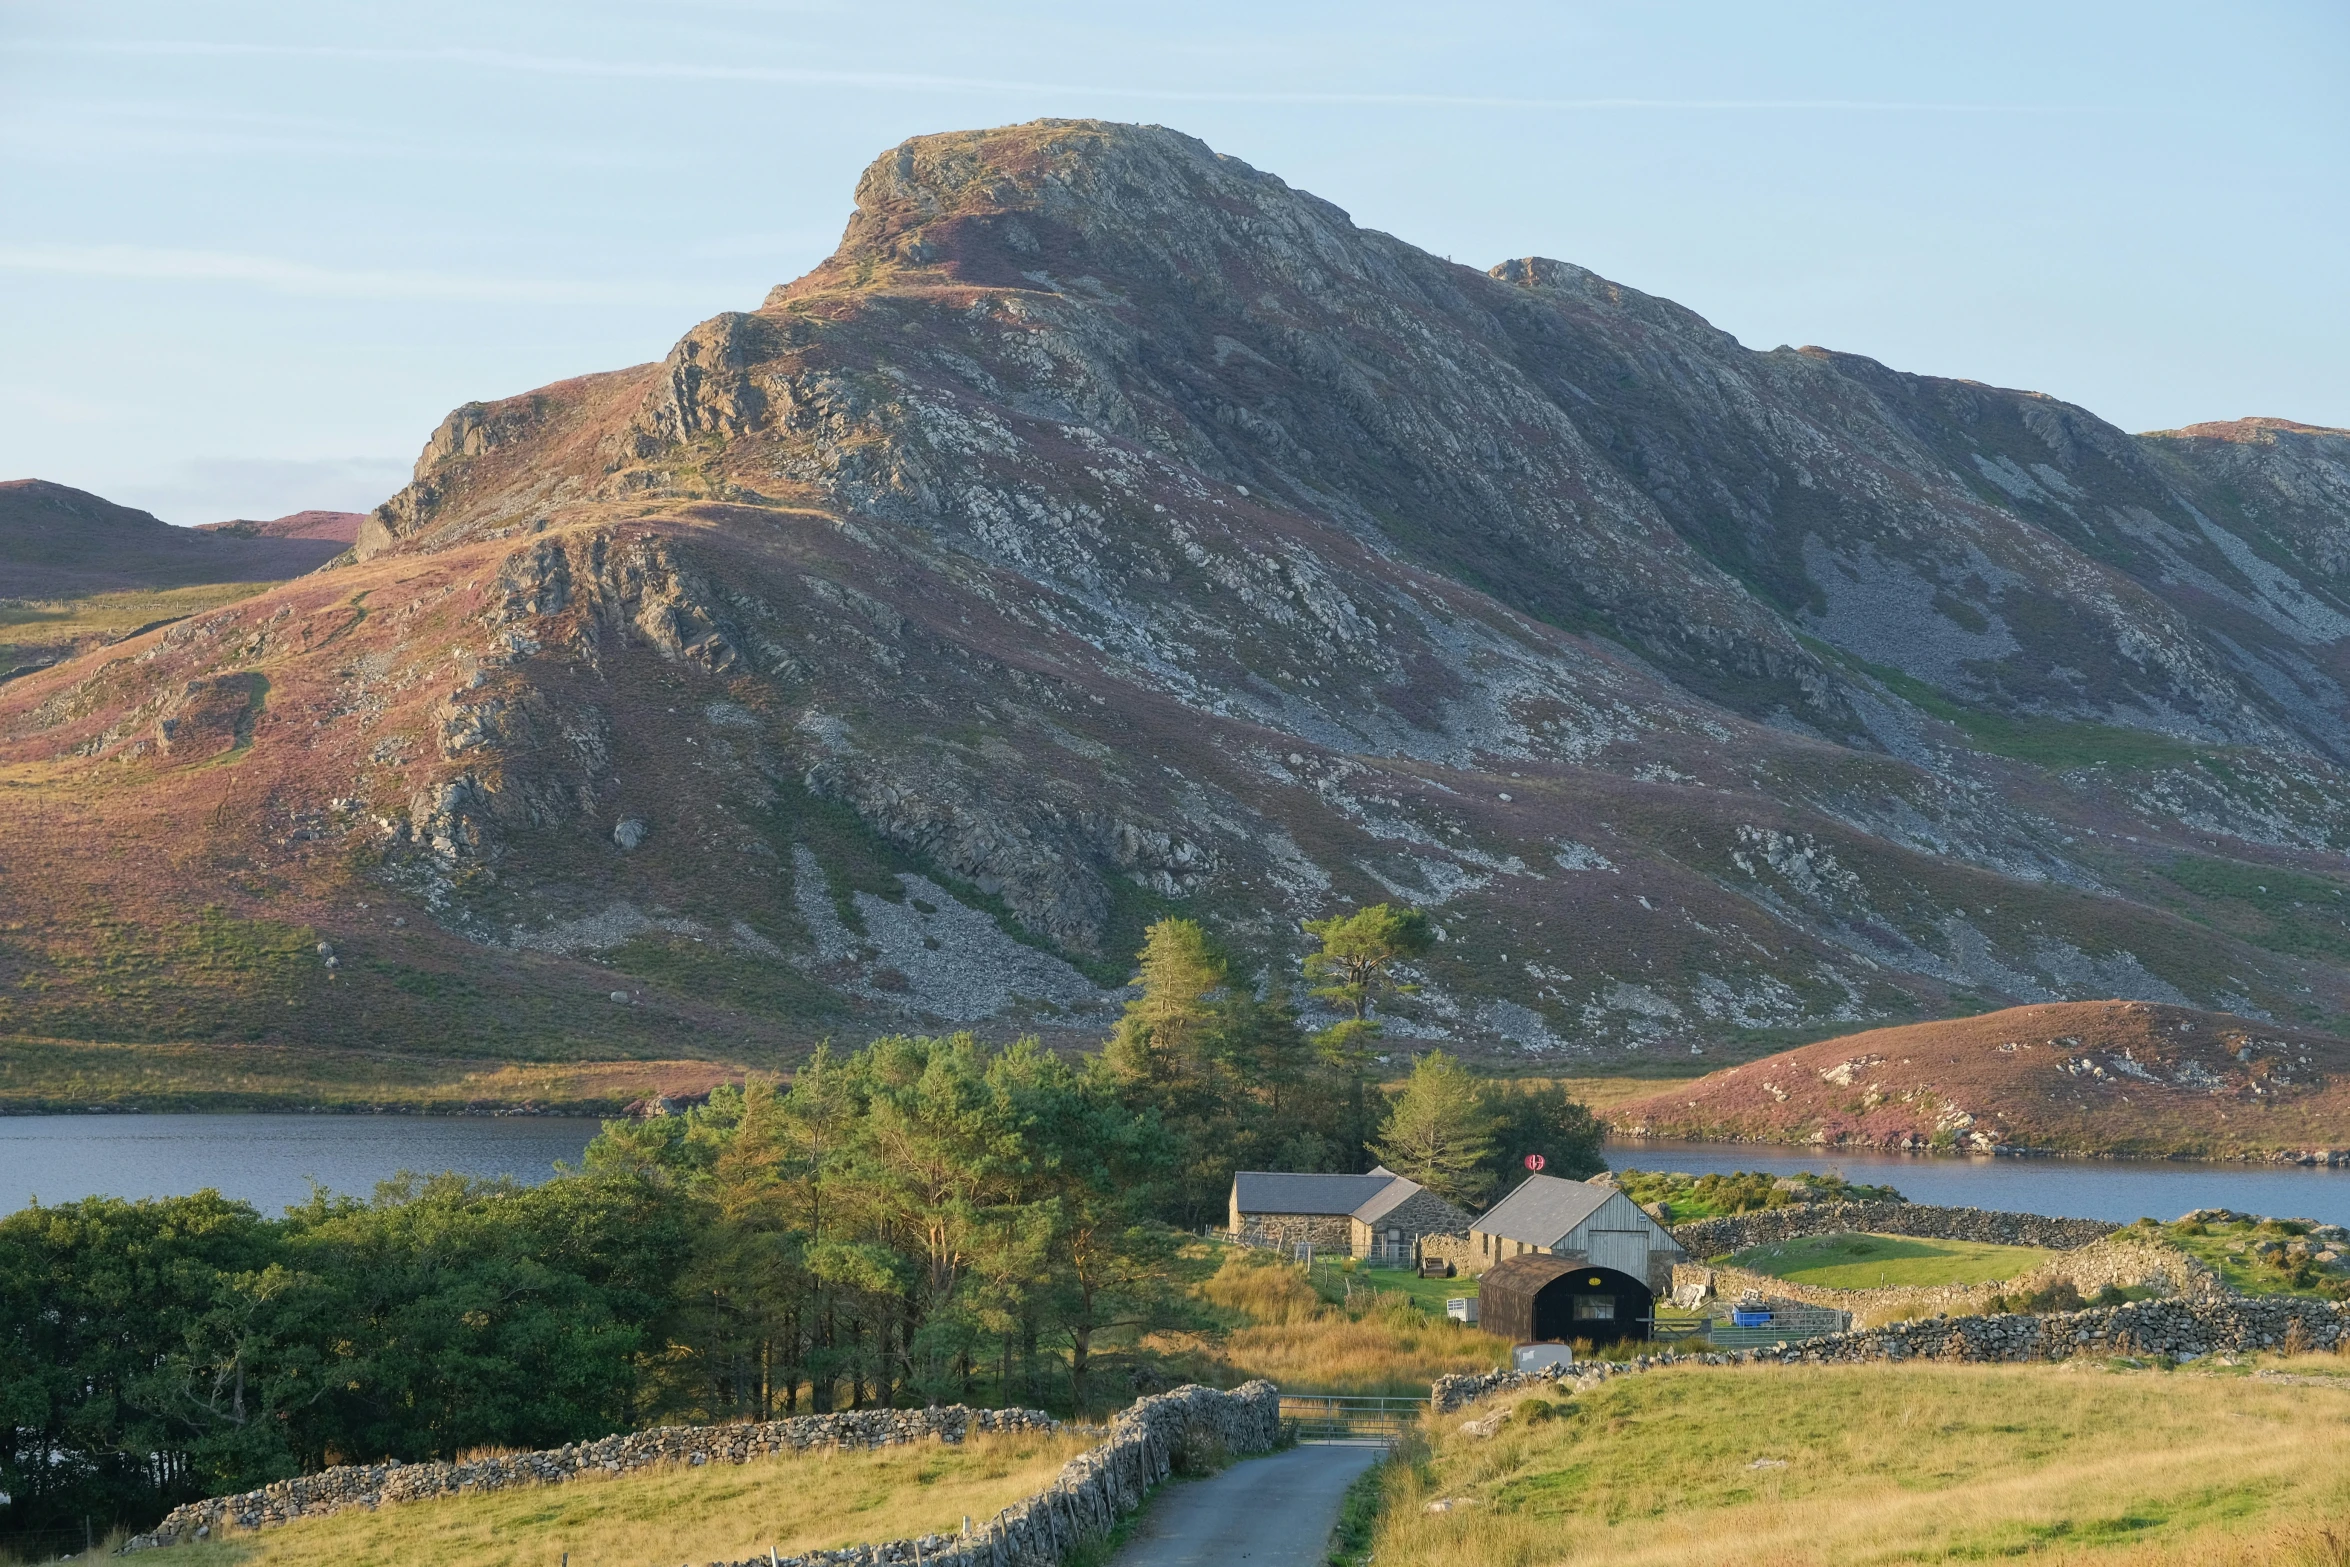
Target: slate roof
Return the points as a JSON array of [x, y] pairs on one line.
[[1394, 1195], [1273, 1191], [1543, 1209]]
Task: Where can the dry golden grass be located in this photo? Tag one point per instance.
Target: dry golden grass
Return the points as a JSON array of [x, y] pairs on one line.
[[1382, 1344], [1602, 1093], [722, 1512], [1840, 1466]]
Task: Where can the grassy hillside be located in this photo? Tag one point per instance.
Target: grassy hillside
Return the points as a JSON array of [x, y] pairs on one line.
[[2088, 1077], [720, 1512], [1850, 1465]]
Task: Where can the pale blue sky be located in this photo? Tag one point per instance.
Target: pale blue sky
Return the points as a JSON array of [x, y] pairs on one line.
[[251, 252]]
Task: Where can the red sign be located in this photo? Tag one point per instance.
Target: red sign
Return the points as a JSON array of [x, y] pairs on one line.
[[1534, 1161]]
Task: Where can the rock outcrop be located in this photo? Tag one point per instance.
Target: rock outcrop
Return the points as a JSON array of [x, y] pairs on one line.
[[1109, 529]]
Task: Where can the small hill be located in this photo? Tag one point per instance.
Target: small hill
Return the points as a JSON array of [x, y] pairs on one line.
[[2084, 1077], [60, 542]]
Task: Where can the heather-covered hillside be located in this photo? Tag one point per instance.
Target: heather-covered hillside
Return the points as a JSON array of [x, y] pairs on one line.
[[2082, 1077]]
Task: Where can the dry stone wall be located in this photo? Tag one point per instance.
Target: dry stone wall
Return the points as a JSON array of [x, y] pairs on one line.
[[1147, 1442], [1737, 1231], [377, 1485], [2122, 1260], [2177, 1329]]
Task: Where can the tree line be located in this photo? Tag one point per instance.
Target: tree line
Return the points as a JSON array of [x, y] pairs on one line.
[[920, 1220]]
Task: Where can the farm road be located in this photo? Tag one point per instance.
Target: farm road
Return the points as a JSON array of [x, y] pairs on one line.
[[1268, 1512]]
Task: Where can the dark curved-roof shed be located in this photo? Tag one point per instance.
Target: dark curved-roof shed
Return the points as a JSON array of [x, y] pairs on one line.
[[1510, 1300]]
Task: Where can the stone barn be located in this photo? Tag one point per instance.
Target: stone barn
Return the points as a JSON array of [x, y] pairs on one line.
[[1380, 1216], [1585, 1222]]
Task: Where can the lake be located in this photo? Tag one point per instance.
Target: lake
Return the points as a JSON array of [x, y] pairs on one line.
[[270, 1161], [267, 1160], [2116, 1189]]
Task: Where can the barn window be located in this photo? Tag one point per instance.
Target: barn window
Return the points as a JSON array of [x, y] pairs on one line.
[[1595, 1308]]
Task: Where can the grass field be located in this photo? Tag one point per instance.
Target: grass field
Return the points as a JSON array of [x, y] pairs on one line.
[[33, 629], [1838, 1465], [1866, 1262], [723, 1512]]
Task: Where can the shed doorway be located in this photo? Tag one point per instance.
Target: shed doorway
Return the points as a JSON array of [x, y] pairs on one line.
[[1548, 1300]]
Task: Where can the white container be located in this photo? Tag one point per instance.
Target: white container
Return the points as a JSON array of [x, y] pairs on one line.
[[1462, 1308], [1540, 1357]]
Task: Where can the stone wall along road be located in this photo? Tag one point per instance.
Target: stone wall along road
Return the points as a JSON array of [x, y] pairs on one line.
[[1147, 1442], [380, 1485]]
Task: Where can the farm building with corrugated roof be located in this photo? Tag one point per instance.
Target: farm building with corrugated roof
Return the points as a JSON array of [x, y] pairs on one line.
[[1569, 1259]]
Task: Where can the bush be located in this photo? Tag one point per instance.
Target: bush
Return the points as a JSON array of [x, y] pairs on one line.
[[1201, 1452], [2063, 1295], [1743, 1191]]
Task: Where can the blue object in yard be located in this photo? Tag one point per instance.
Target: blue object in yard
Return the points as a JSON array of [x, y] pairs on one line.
[[1744, 1317]]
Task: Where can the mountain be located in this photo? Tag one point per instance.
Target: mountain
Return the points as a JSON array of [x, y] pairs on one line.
[[2107, 1077], [1108, 530], [60, 542], [339, 527]]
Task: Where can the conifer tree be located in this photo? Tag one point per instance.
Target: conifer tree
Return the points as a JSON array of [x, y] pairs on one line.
[[1440, 1131]]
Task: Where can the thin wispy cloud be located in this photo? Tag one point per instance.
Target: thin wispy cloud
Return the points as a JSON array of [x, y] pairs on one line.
[[935, 84], [301, 277]]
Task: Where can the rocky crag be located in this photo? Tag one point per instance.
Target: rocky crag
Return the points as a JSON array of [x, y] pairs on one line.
[[1108, 529]]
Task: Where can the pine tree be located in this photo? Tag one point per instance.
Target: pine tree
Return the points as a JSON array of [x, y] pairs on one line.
[[1164, 1041], [1440, 1131]]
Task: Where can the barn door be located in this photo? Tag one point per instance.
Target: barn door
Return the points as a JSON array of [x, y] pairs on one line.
[[1626, 1251]]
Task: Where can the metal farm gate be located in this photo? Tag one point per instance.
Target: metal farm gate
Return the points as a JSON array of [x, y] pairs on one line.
[[1327, 1417]]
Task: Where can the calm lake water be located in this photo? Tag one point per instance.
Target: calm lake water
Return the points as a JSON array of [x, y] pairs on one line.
[[267, 1160], [2120, 1190], [270, 1161]]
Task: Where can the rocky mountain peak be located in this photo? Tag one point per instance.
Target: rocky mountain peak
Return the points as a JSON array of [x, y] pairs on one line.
[[1026, 205], [1109, 530]]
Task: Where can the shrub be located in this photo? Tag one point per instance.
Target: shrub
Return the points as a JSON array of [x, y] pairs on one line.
[[1201, 1452]]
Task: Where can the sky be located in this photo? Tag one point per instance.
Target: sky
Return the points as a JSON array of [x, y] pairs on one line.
[[250, 253]]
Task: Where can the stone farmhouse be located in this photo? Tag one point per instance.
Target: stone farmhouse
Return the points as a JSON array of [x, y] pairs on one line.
[[1380, 1216]]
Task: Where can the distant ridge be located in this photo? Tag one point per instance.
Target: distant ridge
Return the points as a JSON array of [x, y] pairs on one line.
[[57, 541], [341, 527]]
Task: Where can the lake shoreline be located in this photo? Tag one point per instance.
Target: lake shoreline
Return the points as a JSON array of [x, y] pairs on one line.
[[42, 1076], [2321, 1158]]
